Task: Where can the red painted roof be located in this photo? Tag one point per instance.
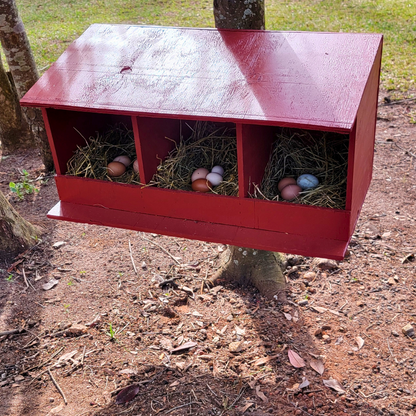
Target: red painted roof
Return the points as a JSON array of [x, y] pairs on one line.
[[285, 78]]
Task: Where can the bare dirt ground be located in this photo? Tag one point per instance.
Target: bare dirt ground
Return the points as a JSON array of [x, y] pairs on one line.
[[103, 326]]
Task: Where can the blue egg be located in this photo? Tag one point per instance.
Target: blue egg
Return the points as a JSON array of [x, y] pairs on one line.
[[307, 181]]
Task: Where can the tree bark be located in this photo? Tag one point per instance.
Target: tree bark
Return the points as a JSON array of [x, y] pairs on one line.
[[23, 69], [16, 234], [239, 14], [262, 269], [14, 130]]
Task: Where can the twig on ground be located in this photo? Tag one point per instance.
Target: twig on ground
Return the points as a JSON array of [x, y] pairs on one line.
[[83, 355], [162, 248], [57, 386], [12, 331], [132, 260], [47, 361], [357, 313], [182, 405], [24, 277], [391, 352]]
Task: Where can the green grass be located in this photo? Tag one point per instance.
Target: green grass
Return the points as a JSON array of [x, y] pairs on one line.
[[53, 24]]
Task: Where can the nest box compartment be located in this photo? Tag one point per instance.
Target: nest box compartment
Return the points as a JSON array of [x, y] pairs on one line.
[[160, 82]]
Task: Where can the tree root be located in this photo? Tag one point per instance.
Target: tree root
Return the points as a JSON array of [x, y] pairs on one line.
[[262, 269]]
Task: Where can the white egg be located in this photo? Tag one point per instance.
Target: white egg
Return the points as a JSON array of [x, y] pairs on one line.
[[218, 169], [214, 178], [125, 160], [307, 181], [136, 166]]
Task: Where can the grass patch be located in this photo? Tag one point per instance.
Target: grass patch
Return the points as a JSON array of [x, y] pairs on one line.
[[53, 24]]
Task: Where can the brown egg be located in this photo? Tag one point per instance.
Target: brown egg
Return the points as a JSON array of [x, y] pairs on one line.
[[115, 169], [201, 185], [285, 182], [290, 192]]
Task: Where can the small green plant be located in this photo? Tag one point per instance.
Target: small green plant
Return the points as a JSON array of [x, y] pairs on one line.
[[24, 187], [70, 282], [36, 238], [9, 278], [111, 333], [306, 297], [83, 272], [66, 307], [120, 274]]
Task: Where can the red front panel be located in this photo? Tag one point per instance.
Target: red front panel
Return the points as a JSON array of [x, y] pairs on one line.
[[198, 230], [283, 217]]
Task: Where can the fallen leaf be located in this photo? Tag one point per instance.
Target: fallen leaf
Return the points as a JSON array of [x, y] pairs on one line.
[[56, 410], [67, 356], [127, 394], [296, 316], [186, 346], [166, 344], [236, 346], [261, 394], [408, 258], [333, 384], [318, 366], [360, 342], [319, 309], [288, 316], [52, 283], [96, 321], [128, 371], [59, 244], [242, 409], [265, 360], [252, 383], [240, 331], [295, 359], [305, 383]]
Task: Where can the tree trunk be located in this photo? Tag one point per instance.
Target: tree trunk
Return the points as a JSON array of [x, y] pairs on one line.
[[14, 131], [239, 14], [16, 234], [23, 69], [262, 269]]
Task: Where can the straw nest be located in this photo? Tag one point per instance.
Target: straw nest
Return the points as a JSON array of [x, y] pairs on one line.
[[91, 160], [322, 154], [209, 144]]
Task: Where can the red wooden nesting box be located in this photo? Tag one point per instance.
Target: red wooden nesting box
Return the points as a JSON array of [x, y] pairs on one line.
[[152, 78]]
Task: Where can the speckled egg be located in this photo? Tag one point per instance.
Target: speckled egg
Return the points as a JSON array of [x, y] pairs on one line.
[[290, 192], [200, 173], [307, 181]]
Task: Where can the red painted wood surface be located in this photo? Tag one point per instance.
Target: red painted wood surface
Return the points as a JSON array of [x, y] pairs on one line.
[[300, 79], [197, 230], [254, 144], [151, 78], [282, 217], [364, 143]]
